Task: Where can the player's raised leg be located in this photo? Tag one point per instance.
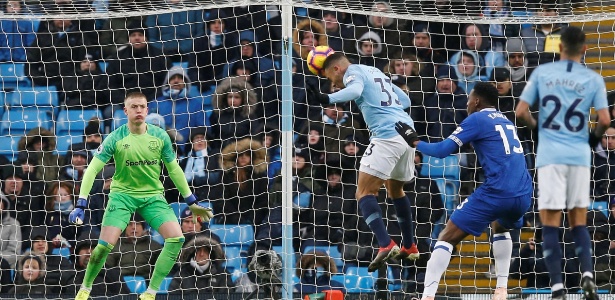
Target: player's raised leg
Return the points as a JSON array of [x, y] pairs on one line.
[[395, 190], [367, 191]]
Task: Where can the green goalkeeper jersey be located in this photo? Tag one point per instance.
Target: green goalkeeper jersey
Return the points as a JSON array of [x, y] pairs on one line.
[[138, 159]]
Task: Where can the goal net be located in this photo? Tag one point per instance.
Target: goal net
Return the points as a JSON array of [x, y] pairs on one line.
[[212, 72]]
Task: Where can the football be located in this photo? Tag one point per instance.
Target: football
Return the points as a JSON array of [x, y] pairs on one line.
[[316, 58]]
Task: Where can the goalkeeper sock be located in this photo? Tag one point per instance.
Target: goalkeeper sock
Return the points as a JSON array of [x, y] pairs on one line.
[[582, 248], [404, 218], [553, 256], [502, 252], [437, 264], [97, 260], [165, 261], [373, 217]]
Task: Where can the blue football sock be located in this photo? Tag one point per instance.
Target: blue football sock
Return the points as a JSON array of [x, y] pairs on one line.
[[553, 255], [404, 218], [582, 248], [373, 217]]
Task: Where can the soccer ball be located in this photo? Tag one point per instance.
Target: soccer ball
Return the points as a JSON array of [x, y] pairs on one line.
[[316, 58]]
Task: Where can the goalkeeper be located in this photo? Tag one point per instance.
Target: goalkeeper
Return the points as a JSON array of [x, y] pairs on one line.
[[138, 150]]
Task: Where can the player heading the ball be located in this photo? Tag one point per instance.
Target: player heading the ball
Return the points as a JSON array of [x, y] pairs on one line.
[[388, 159], [138, 150]]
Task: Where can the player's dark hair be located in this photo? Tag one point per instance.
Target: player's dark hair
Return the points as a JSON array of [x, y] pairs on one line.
[[487, 92], [573, 39], [332, 59]]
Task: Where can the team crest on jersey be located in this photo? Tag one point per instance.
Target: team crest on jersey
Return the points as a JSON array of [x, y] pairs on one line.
[[153, 146], [349, 79], [126, 146], [458, 130], [99, 150]]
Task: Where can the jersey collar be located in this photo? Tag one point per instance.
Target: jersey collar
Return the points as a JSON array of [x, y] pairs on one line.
[[488, 109]]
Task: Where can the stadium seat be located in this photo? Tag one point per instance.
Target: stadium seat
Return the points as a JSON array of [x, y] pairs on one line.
[[178, 207], [18, 121], [119, 119], [102, 65], [73, 122], [164, 286], [64, 252], [13, 75], [234, 261], [234, 235], [601, 206], [136, 284], [331, 250], [293, 258], [447, 167], [156, 236], [183, 64], [42, 98], [8, 146], [63, 142]]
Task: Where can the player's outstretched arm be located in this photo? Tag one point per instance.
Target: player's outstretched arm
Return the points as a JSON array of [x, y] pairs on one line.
[[200, 213], [77, 215], [440, 150], [523, 114]]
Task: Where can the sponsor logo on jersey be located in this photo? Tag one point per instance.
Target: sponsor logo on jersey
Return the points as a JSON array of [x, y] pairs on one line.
[[349, 79], [141, 163], [153, 146]]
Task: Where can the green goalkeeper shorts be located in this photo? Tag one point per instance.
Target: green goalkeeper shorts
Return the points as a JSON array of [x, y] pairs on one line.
[[155, 210]]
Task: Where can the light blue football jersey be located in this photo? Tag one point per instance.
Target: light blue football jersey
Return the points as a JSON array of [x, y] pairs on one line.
[[566, 90], [381, 102]]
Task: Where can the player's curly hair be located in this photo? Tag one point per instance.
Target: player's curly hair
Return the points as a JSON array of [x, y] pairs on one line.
[[486, 92]]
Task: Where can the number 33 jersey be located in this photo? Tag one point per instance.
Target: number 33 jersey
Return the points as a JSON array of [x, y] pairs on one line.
[[381, 102], [565, 91], [499, 152]]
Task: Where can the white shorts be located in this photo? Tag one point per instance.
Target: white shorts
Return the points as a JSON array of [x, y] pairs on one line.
[[389, 158], [563, 186]]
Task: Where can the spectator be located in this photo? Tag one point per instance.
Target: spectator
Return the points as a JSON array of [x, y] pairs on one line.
[[73, 172], [517, 64], [139, 67], [250, 52], [202, 164], [180, 105], [201, 270], [59, 203], [370, 49], [59, 272], [604, 167], [242, 197], [191, 228], [16, 35], [213, 50], [108, 282], [136, 253], [271, 141], [51, 57], [350, 160], [476, 41], [10, 236], [307, 35], [40, 145], [445, 110], [387, 28], [597, 224], [498, 9], [30, 276], [467, 70], [248, 71], [92, 138], [338, 35], [114, 34], [422, 46], [417, 75], [24, 206], [542, 40], [315, 270], [174, 32], [313, 141], [85, 89], [234, 116]]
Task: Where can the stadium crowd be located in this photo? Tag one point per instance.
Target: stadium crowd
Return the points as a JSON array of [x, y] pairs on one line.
[[214, 83]]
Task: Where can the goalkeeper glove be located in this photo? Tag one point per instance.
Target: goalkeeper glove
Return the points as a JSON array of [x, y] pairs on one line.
[[200, 214], [77, 215], [407, 133], [593, 139], [314, 93]]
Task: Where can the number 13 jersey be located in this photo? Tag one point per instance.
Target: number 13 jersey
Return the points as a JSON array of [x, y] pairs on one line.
[[565, 91]]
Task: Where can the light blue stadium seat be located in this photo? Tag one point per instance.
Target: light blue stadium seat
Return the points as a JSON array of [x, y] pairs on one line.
[[64, 252], [178, 207], [18, 121], [293, 257], [119, 119], [12, 75], [184, 65], [40, 97], [63, 142], [447, 167], [164, 286], [331, 250], [2, 102], [358, 280], [8, 146], [136, 284], [234, 235], [156, 236], [237, 274], [601, 206], [73, 122], [102, 65], [234, 261]]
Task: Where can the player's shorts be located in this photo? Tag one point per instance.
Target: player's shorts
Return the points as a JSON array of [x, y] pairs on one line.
[[476, 213], [389, 158], [155, 210], [563, 186]]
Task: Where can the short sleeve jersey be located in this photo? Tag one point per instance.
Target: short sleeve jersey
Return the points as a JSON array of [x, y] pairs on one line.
[[379, 103], [499, 152], [565, 91], [138, 159]]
